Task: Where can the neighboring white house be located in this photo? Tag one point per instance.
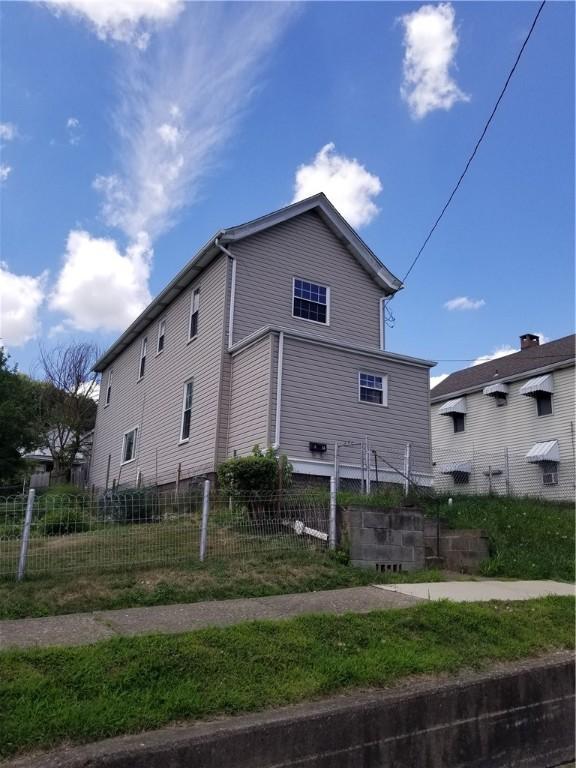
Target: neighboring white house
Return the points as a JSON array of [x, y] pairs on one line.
[[272, 334], [507, 425]]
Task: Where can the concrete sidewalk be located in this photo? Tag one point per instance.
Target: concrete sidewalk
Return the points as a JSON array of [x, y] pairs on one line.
[[480, 591], [86, 628]]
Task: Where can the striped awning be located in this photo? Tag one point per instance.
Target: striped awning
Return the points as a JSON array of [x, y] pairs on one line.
[[498, 388], [453, 406], [539, 384], [456, 466], [548, 451]]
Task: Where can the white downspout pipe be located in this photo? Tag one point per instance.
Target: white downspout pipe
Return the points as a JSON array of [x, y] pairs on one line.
[[276, 445], [232, 291]]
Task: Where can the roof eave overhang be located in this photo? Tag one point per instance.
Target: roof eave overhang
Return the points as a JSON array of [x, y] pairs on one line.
[[505, 380]]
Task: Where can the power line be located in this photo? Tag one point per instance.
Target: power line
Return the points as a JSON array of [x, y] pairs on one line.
[[502, 92]]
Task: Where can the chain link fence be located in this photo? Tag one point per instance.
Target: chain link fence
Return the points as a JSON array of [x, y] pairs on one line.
[[87, 532], [503, 473]]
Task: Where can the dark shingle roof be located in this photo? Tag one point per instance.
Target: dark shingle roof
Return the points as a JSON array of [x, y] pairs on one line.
[[524, 361]]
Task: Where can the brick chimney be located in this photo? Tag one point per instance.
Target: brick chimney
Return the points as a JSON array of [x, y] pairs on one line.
[[528, 340]]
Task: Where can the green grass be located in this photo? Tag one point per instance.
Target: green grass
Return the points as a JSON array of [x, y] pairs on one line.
[[126, 685], [272, 573], [529, 539]]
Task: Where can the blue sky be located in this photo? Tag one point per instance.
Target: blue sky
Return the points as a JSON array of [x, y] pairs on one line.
[[130, 136]]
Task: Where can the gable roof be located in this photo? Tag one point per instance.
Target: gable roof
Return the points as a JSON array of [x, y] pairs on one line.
[[318, 203], [549, 355]]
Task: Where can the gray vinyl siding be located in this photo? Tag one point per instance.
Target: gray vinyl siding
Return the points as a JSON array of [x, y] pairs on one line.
[[303, 247], [154, 404], [490, 430], [320, 404], [250, 398]]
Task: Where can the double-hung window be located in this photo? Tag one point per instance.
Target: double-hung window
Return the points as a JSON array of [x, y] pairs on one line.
[[109, 387], [161, 336], [194, 312], [129, 445], [310, 301], [186, 411], [143, 350], [543, 403], [372, 388]]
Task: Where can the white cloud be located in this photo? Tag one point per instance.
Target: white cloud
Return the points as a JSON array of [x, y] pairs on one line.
[[502, 351], [72, 122], [430, 42], [464, 303], [98, 286], [435, 380], [20, 299], [346, 183], [178, 111], [125, 21], [8, 131], [73, 127], [5, 171]]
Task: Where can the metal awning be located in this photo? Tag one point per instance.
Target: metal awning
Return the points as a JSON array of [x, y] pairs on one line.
[[456, 466], [548, 451], [539, 384], [498, 388], [453, 406]]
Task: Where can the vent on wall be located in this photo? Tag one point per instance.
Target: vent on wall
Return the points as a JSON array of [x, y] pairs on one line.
[[395, 567], [550, 478]]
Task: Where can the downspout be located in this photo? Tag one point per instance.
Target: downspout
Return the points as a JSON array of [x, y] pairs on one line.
[[276, 445], [232, 290]]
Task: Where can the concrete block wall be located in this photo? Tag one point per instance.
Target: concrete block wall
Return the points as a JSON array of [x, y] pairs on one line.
[[461, 550], [386, 540]]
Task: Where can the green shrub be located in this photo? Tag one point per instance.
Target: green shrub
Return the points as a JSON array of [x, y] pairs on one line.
[[60, 522], [258, 475], [129, 506]]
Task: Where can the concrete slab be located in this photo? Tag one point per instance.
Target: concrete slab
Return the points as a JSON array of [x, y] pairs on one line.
[[479, 591], [86, 628]]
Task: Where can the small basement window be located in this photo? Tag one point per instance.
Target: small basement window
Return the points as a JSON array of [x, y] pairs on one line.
[[372, 388], [129, 445], [461, 478], [310, 301], [543, 403]]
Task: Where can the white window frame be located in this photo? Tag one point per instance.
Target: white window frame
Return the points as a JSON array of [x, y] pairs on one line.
[[161, 334], [194, 308], [108, 393], [384, 390], [184, 440], [143, 356], [128, 432], [328, 302]]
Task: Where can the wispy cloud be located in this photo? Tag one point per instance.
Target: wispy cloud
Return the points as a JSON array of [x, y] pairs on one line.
[[8, 131], [123, 21], [5, 171], [435, 380], [180, 105], [463, 303], [502, 351], [430, 43], [20, 299], [346, 183], [73, 130]]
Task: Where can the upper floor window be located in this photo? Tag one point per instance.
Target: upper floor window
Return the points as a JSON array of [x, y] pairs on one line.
[[194, 312], [143, 351], [186, 411], [161, 336], [109, 387], [458, 419], [543, 403], [129, 445], [310, 301], [372, 388]]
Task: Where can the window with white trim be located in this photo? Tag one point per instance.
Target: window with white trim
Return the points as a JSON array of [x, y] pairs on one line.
[[310, 301], [129, 445], [143, 350], [161, 336], [194, 313], [186, 411], [109, 387], [372, 388]]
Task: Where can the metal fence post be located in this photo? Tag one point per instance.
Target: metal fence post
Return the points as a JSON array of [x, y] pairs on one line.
[[204, 524], [336, 466], [507, 466], [368, 478], [332, 521], [407, 470], [26, 534]]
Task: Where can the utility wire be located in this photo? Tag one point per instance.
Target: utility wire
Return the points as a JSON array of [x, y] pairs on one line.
[[502, 92]]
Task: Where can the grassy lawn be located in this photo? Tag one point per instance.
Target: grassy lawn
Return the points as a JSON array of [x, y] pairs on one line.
[[272, 573], [529, 539], [75, 695]]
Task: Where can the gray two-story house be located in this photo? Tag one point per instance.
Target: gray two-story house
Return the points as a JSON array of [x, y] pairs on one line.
[[272, 335]]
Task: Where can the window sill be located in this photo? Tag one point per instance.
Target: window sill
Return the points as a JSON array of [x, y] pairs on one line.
[[183, 442], [378, 405], [193, 338], [140, 379], [130, 461], [159, 353], [307, 320]]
